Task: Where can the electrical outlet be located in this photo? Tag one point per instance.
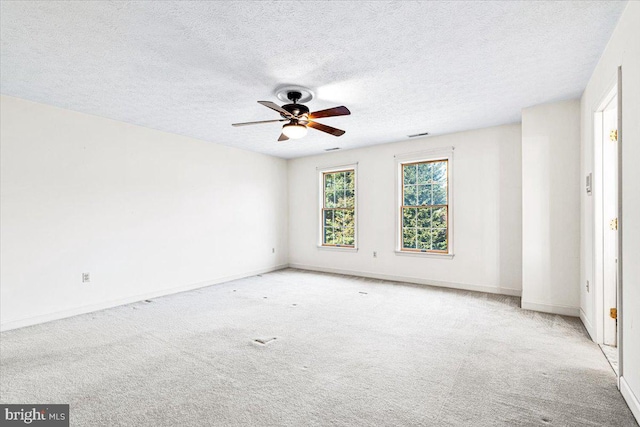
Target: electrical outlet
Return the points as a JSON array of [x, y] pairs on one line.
[[587, 286], [86, 278], [273, 250], [375, 254]]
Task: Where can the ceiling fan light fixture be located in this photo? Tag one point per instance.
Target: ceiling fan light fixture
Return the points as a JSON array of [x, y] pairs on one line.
[[294, 130]]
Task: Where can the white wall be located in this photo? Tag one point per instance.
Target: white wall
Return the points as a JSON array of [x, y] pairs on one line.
[[145, 212], [623, 50], [487, 213], [551, 207]]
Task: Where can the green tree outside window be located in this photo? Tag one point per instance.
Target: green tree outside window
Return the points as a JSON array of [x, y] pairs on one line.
[[425, 206], [338, 210]]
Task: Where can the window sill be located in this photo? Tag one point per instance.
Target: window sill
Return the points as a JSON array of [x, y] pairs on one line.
[[337, 248], [425, 254]]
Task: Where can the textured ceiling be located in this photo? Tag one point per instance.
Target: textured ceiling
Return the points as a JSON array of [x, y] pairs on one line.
[[193, 68]]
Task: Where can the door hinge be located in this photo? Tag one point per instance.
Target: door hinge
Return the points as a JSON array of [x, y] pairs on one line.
[[613, 135], [613, 312], [613, 224]]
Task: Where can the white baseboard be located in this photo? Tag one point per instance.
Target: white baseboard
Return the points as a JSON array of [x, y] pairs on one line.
[[630, 398], [21, 323], [415, 280], [564, 310], [587, 325]]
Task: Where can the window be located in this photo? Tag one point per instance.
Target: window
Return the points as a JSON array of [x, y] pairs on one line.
[[425, 211], [338, 215]]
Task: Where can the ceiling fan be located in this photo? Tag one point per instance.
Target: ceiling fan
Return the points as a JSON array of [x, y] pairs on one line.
[[299, 118]]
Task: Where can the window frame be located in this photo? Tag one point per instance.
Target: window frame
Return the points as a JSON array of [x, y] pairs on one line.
[[321, 200], [434, 155]]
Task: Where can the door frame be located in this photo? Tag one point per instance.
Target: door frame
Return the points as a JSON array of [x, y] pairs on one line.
[[608, 184], [613, 90]]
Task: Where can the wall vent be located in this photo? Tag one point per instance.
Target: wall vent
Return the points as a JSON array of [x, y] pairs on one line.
[[419, 134], [332, 149]]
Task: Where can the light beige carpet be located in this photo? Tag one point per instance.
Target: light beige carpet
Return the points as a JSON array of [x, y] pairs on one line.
[[347, 352]]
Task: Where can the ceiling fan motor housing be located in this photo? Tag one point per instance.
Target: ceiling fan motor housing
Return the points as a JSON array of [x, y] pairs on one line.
[[296, 109]]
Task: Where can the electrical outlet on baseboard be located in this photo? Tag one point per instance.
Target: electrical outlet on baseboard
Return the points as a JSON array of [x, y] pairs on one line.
[[273, 250], [375, 254], [86, 278]]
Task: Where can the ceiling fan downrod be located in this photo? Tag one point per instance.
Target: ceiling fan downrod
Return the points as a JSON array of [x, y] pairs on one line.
[[294, 96]]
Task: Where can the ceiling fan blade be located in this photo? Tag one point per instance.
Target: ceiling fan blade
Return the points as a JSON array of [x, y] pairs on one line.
[[257, 123], [276, 107], [283, 137], [324, 128], [330, 112]]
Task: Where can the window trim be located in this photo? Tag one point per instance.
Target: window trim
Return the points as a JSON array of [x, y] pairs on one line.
[[320, 208], [445, 153]]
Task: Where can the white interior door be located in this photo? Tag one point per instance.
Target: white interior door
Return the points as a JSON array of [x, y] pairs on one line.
[[610, 218]]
